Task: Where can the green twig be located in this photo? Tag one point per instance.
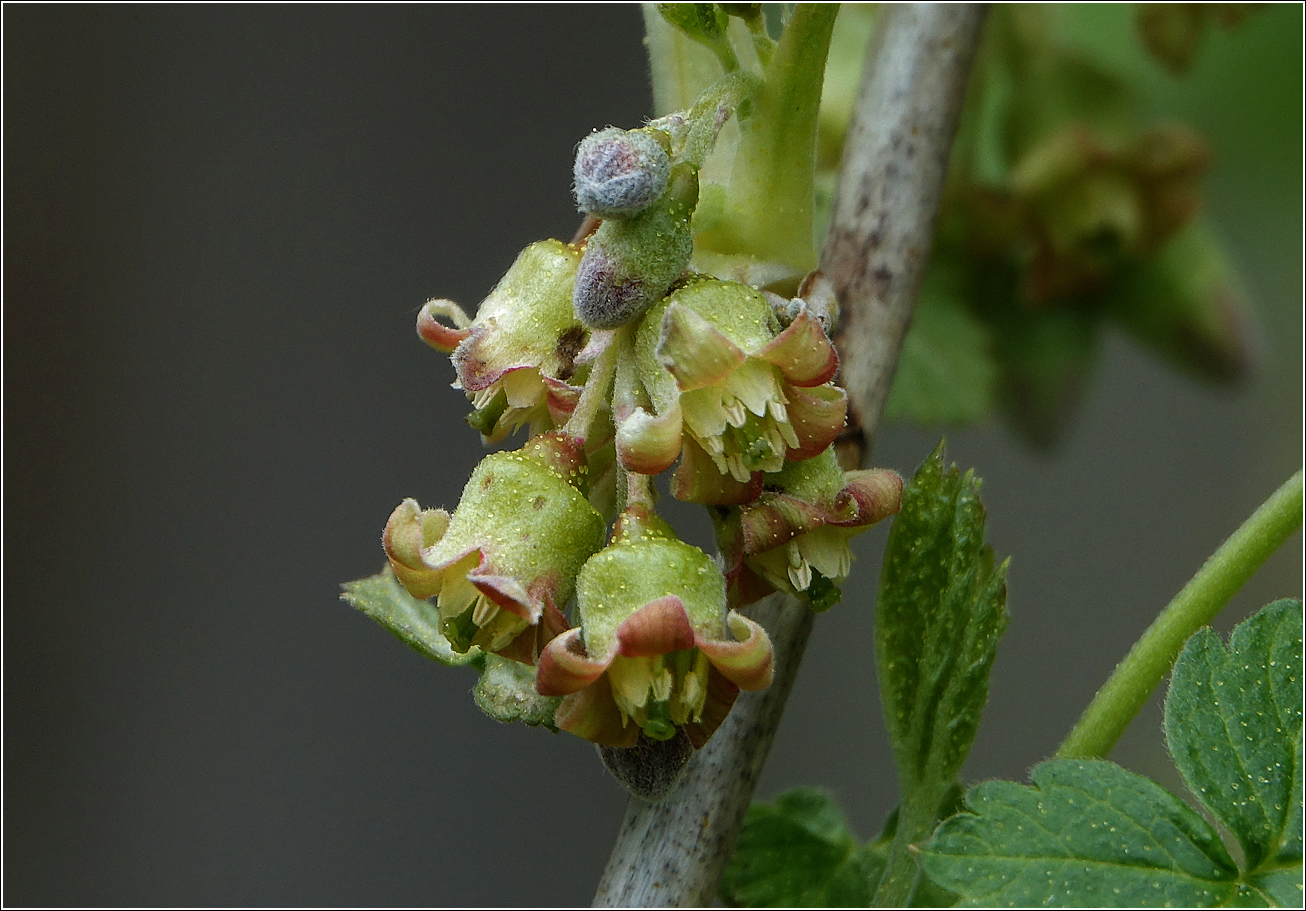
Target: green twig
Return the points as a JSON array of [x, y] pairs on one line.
[[1152, 656]]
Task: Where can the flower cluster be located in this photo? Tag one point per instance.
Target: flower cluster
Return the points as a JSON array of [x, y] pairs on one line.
[[624, 362], [1080, 206]]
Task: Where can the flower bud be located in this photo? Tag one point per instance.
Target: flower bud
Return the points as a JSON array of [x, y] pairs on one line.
[[507, 558], [656, 650], [1187, 305], [629, 264], [619, 173], [1172, 32]]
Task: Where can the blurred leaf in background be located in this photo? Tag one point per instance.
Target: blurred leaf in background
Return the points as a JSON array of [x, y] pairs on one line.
[[1077, 198]]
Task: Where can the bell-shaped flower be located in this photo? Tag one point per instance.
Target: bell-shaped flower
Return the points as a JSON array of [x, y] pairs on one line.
[[730, 386], [516, 359], [504, 563], [795, 536], [656, 649]]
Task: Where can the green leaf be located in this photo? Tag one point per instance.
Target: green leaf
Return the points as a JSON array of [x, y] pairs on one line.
[[506, 692], [798, 852], [940, 613], [1088, 833], [946, 373], [704, 22], [1233, 722], [383, 599], [1283, 887], [680, 67]]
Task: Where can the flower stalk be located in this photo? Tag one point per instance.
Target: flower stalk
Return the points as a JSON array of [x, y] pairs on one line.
[[1125, 693]]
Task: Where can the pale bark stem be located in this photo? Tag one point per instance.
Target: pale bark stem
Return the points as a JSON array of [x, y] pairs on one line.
[[671, 853]]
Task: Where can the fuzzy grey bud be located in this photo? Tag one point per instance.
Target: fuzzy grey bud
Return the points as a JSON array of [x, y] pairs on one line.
[[620, 173], [607, 295], [630, 264]]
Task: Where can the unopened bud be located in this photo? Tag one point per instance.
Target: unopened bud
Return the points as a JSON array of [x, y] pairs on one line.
[[704, 22], [620, 173], [630, 264]]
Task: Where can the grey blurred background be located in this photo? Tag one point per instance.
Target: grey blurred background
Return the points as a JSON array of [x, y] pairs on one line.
[[219, 224]]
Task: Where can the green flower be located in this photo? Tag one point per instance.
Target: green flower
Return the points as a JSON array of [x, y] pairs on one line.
[[795, 536], [730, 390], [515, 360], [656, 649], [504, 563]]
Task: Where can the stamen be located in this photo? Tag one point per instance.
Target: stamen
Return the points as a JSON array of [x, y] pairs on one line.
[[736, 413], [801, 577], [738, 470], [786, 431], [800, 571], [660, 685], [484, 611]]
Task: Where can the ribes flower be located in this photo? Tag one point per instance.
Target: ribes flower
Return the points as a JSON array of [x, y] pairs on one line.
[[1081, 206], [504, 563], [795, 536], [656, 648], [516, 358], [731, 389]]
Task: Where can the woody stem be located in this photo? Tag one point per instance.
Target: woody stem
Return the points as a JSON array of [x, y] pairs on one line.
[[672, 852]]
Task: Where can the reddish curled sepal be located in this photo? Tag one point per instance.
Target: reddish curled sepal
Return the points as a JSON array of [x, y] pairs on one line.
[[435, 333], [656, 649], [509, 554], [795, 536], [803, 352], [660, 628]]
